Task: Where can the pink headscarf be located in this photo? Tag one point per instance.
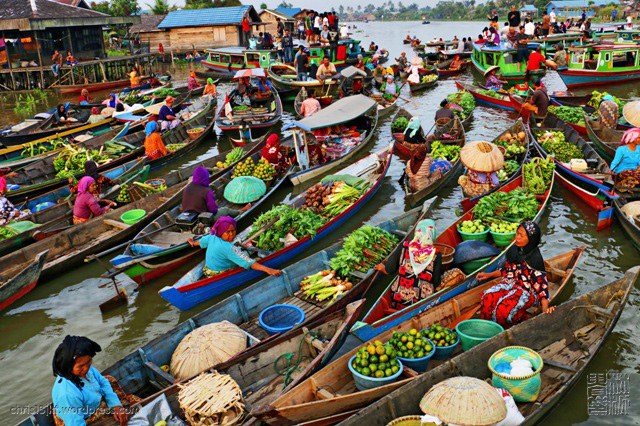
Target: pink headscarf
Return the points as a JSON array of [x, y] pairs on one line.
[[84, 184], [3, 185], [630, 136], [221, 225]]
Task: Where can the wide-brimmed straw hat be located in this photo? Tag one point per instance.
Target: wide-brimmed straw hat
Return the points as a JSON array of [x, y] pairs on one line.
[[490, 69], [464, 401], [631, 113], [482, 156], [416, 61]]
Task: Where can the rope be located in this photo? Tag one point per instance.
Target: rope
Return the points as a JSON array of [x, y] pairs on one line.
[[290, 368]]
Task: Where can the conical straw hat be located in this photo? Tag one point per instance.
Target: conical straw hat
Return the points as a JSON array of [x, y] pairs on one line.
[[155, 108], [464, 401], [631, 113], [482, 156]]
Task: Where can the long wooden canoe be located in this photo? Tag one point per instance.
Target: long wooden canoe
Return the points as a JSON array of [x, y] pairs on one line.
[[304, 404], [253, 121], [423, 72], [455, 127], [13, 287], [285, 78], [154, 256], [382, 316], [325, 99], [193, 288], [605, 140], [502, 101], [630, 225], [567, 340], [444, 69]]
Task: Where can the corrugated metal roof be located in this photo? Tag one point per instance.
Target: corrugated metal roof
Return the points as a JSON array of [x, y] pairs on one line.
[[291, 11], [200, 17], [529, 7], [581, 3]]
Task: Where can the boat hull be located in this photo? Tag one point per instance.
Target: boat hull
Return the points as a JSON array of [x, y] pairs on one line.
[[488, 100], [66, 90], [22, 283], [630, 228], [578, 78]]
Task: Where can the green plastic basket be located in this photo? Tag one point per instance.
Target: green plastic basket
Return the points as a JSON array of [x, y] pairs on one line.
[[479, 236], [407, 421], [525, 388], [502, 240], [472, 332], [474, 265], [133, 216]]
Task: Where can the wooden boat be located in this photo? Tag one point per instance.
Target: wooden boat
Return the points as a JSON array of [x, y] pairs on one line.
[[503, 101], [68, 89], [354, 111], [14, 286], [583, 103], [384, 107], [339, 396], [153, 256], [54, 209], [594, 186], [382, 317], [40, 176], [303, 95], [262, 117], [469, 203], [591, 65], [605, 140], [573, 335], [485, 56], [453, 127], [629, 224], [404, 150], [192, 289], [182, 99], [423, 72], [285, 79], [444, 69]]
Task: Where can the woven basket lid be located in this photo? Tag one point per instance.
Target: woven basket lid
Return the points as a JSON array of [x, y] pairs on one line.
[[464, 401], [631, 113], [107, 112], [482, 156], [416, 61], [155, 108]]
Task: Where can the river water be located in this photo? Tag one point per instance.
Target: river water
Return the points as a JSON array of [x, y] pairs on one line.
[[68, 304]]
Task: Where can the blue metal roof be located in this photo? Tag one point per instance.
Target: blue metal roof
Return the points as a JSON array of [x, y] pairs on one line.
[[581, 3], [291, 11], [203, 17], [529, 7]]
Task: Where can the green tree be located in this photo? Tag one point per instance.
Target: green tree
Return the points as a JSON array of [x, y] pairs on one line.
[[203, 4], [263, 6], [125, 7], [285, 4], [341, 10], [102, 7], [161, 7]]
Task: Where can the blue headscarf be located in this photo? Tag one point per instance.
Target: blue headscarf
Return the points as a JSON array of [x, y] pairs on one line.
[[607, 97], [150, 127], [113, 100]]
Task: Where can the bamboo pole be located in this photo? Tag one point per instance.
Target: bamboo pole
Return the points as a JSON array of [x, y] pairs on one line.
[[35, 37], [13, 80]]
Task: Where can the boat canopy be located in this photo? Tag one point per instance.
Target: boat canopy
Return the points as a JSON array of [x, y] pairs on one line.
[[352, 71], [339, 112]]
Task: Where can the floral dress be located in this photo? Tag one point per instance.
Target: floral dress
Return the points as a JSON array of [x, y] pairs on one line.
[[409, 288], [521, 288]]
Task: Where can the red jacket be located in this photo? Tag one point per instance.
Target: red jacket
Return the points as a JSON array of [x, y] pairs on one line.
[[535, 59]]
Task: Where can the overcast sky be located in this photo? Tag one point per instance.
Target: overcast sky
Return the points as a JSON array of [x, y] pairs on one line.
[[311, 4]]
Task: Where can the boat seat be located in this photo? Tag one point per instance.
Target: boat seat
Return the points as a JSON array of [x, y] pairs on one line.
[[168, 238], [400, 233], [324, 394], [157, 376]]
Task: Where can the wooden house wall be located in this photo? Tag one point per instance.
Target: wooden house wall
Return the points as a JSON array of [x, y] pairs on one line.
[[181, 39], [154, 38], [271, 25]]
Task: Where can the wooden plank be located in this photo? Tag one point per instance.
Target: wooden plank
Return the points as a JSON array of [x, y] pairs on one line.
[[116, 223]]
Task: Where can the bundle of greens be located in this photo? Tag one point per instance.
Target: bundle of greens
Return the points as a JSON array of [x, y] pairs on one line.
[[40, 148], [164, 92], [465, 101], [514, 206], [323, 285], [596, 98], [399, 125], [363, 249], [449, 151], [554, 143], [6, 233], [490, 93], [571, 115], [537, 174], [71, 160], [341, 198], [300, 223]]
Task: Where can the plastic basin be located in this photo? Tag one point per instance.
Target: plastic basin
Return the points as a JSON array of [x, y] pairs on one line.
[[280, 318], [479, 236], [472, 332], [133, 216], [502, 240], [364, 382], [419, 364], [444, 352], [474, 265]]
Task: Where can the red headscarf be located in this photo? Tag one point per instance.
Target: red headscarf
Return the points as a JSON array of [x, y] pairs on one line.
[[271, 151], [95, 111], [3, 185]]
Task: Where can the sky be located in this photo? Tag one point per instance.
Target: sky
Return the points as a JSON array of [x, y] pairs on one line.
[[314, 4]]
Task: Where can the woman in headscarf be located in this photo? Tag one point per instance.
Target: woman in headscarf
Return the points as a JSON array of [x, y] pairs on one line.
[[608, 112], [210, 88], [95, 117], [60, 116], [389, 89], [153, 145], [8, 212], [192, 82], [167, 118], [418, 169], [222, 254], [524, 281], [626, 162], [113, 101], [81, 395], [84, 98], [91, 170], [273, 153], [134, 78], [197, 195], [493, 81], [412, 133], [87, 206]]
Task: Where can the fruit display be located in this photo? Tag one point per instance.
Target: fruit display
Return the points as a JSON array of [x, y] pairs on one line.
[[300, 223], [537, 174], [412, 344], [446, 151], [123, 195], [173, 147], [502, 227], [440, 336], [244, 169], [41, 148], [513, 143], [465, 101], [554, 143], [70, 161], [429, 78], [232, 157], [490, 93], [472, 227], [376, 360], [399, 125], [362, 250], [514, 206], [264, 170], [323, 285]]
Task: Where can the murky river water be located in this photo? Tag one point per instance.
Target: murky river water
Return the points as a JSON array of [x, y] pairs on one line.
[[68, 304]]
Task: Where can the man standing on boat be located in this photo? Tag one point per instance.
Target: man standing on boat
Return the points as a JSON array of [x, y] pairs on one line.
[[301, 63], [523, 52], [514, 18], [539, 103], [287, 46], [552, 17], [546, 24]]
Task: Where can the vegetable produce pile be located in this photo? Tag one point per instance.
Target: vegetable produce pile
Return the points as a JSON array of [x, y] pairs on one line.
[[513, 143], [555, 144], [323, 285], [376, 360], [514, 206], [490, 93], [241, 108], [502, 227], [263, 170], [40, 148], [399, 125], [331, 199], [164, 92], [362, 250], [450, 152], [233, 157], [441, 336], [70, 161], [537, 174], [141, 190], [173, 147], [465, 101], [6, 233], [429, 78], [509, 168], [412, 344], [472, 227], [298, 222], [596, 98], [572, 115]]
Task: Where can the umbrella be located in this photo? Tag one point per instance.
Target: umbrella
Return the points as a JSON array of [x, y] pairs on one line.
[[488, 71], [251, 72], [482, 156], [244, 189], [464, 401], [416, 61], [631, 113]]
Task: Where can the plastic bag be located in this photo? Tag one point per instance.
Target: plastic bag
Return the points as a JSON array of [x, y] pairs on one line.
[[158, 410]]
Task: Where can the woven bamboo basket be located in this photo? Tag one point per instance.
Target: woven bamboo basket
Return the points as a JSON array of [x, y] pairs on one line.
[[212, 399]]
